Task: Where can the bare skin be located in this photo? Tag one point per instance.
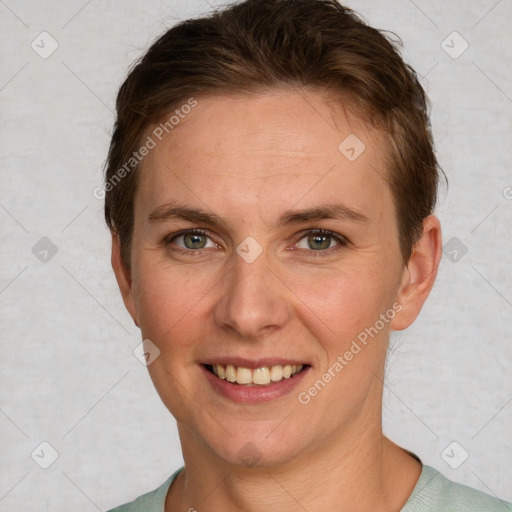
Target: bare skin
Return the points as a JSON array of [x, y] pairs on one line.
[[248, 160]]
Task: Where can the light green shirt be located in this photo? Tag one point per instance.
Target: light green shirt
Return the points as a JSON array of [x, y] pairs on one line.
[[432, 493]]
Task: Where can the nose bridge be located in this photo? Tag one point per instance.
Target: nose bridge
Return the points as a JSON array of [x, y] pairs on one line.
[[252, 298]]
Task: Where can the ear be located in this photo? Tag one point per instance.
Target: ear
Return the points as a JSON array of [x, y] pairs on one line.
[[123, 277], [420, 274]]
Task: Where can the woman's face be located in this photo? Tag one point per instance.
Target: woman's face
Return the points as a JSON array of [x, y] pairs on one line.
[[257, 290]]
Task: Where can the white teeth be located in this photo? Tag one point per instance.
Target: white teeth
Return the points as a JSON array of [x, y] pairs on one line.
[[276, 373], [260, 376], [220, 371], [243, 375], [230, 373]]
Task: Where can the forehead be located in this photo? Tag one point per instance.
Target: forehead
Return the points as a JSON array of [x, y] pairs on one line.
[[263, 154]]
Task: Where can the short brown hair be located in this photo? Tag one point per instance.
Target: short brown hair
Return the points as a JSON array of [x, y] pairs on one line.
[[260, 44]]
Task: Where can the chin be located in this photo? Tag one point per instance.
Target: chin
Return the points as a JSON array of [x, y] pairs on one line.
[[257, 451]]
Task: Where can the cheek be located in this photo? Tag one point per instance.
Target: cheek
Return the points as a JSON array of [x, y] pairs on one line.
[[165, 299], [342, 302]]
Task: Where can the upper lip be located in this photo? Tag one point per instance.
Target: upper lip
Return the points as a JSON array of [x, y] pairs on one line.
[[253, 363]]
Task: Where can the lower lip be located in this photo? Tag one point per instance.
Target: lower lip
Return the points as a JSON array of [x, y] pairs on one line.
[[254, 394]]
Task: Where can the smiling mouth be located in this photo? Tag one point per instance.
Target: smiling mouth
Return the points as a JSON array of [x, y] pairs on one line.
[[263, 376]]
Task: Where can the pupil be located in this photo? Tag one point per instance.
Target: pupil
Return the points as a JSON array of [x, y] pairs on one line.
[[194, 238], [317, 239]]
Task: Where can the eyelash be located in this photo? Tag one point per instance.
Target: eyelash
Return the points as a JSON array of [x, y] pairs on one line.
[[342, 241]]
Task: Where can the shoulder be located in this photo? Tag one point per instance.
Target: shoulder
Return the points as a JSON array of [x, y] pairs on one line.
[[434, 492], [153, 501]]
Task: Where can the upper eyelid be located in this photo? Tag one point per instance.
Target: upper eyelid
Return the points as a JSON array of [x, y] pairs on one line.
[[198, 231], [342, 239]]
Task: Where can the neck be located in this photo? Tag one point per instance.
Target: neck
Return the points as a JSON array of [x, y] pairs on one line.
[[358, 470]]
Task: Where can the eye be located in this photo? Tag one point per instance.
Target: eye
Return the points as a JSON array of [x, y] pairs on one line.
[[316, 241], [192, 240], [320, 240]]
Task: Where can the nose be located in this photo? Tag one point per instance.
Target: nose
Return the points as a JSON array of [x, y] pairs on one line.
[[253, 299]]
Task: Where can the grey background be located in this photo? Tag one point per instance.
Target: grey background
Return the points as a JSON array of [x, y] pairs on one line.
[[68, 373]]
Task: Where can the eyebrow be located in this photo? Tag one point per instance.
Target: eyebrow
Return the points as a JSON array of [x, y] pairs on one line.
[[172, 211]]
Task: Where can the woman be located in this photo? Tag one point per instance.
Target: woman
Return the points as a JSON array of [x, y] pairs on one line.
[[269, 189]]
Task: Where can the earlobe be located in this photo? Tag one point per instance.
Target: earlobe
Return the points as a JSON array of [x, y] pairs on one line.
[[123, 277], [420, 274]]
